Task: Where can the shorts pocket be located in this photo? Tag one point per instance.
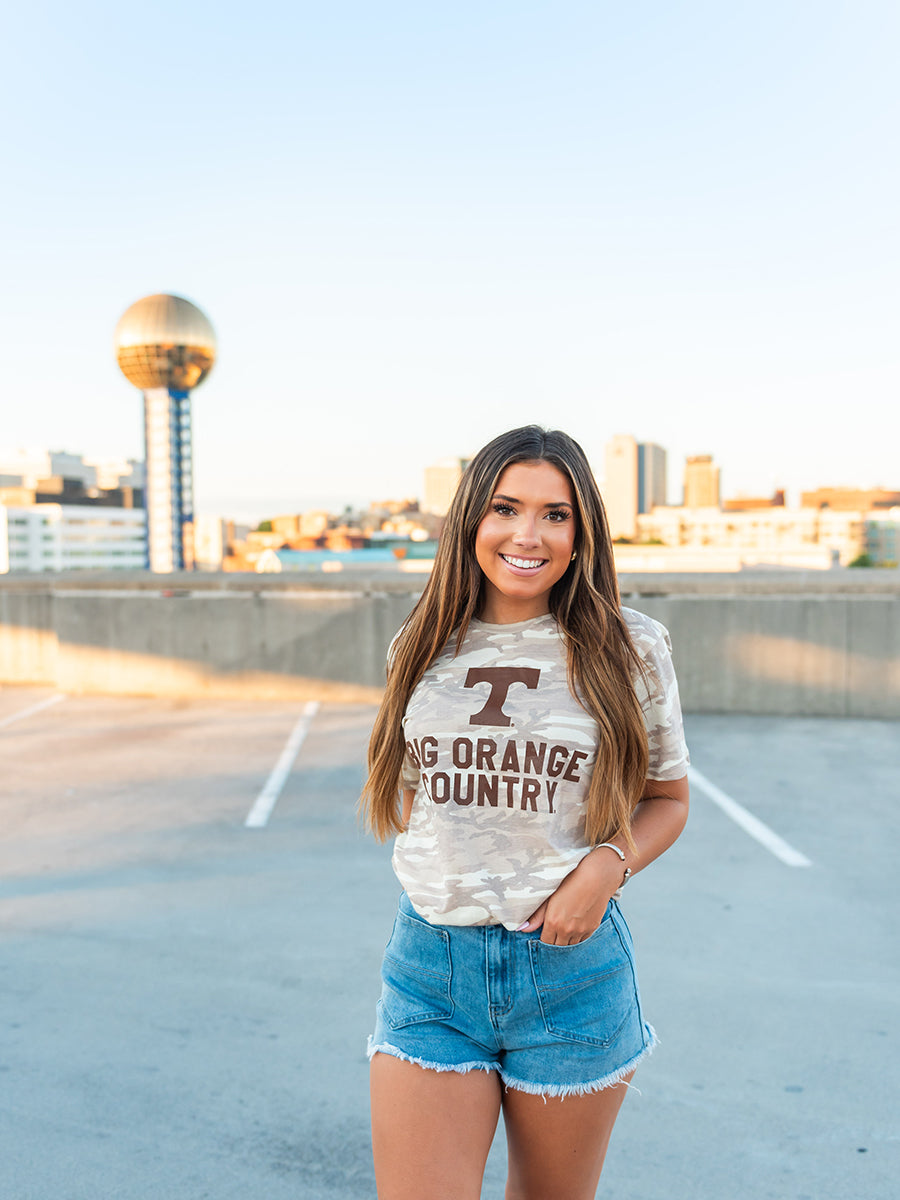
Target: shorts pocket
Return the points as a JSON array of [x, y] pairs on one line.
[[416, 974], [587, 992]]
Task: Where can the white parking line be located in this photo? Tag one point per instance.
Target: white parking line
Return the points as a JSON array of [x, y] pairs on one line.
[[749, 823], [267, 799], [27, 712]]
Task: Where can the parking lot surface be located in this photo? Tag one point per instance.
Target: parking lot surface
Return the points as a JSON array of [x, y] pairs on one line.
[[185, 999]]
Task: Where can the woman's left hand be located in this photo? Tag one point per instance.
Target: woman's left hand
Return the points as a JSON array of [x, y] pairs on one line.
[[576, 908]]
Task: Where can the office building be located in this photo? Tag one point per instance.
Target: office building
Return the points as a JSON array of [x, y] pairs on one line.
[[210, 542], [620, 485], [651, 476], [701, 482], [850, 499], [775, 536], [31, 468], [635, 482], [441, 481], [750, 503], [24, 467], [69, 537], [883, 537], [119, 473]]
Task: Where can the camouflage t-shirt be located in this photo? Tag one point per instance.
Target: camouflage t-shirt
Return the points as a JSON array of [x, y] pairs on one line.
[[500, 753]]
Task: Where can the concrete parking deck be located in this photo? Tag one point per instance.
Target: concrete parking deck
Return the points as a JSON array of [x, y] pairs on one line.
[[184, 1000]]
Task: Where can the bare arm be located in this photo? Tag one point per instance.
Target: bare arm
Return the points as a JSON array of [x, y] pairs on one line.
[[577, 906]]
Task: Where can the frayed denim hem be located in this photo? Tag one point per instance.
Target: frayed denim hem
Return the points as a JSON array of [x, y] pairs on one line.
[[583, 1089], [461, 1068]]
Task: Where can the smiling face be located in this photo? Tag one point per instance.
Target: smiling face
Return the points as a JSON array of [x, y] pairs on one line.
[[525, 541]]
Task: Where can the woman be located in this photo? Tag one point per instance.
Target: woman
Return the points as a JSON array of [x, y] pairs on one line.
[[529, 755]]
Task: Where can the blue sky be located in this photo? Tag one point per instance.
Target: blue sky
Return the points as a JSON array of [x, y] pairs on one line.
[[415, 225]]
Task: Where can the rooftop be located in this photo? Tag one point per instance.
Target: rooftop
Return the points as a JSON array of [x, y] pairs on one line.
[[186, 999]]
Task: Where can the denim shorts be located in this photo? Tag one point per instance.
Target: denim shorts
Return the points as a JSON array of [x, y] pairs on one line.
[[551, 1020]]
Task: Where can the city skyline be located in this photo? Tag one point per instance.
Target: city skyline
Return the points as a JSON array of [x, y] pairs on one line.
[[412, 232], [37, 462]]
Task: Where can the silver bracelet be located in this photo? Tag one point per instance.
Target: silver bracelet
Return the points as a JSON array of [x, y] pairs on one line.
[[621, 854], [611, 846]]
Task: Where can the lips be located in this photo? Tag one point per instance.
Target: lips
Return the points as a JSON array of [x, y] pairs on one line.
[[523, 564]]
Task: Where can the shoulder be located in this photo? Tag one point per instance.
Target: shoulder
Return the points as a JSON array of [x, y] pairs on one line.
[[646, 633]]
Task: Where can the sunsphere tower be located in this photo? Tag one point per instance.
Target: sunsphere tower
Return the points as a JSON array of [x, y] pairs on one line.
[[166, 346]]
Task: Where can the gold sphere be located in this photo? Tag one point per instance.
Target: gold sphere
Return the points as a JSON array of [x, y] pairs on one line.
[[165, 342]]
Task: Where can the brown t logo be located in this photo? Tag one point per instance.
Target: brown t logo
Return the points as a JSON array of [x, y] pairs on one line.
[[500, 679]]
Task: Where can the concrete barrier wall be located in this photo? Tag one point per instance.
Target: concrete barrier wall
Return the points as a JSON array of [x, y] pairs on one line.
[[814, 643], [821, 656], [28, 641]]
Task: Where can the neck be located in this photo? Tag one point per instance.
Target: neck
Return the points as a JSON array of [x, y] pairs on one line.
[[502, 610]]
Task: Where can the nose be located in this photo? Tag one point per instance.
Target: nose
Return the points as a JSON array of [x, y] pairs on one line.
[[525, 533]]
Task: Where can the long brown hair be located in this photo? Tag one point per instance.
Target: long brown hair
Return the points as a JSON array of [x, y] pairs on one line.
[[601, 658]]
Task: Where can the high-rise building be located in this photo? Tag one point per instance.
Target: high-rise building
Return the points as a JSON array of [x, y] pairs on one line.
[[166, 347], [651, 476], [620, 486], [441, 482], [701, 482], [635, 482]]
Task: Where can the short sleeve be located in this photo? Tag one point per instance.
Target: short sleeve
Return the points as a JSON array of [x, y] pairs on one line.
[[657, 692], [409, 773], [409, 770]]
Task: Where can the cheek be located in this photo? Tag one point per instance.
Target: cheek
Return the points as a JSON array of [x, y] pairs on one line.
[[481, 546], [564, 539]]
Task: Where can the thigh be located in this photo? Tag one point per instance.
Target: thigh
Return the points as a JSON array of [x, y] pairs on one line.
[[557, 1144], [431, 1130]]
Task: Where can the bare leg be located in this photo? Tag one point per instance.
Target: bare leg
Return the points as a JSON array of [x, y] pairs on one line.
[[431, 1130], [557, 1147]]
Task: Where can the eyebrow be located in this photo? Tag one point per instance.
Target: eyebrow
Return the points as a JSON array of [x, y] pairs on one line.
[[513, 500]]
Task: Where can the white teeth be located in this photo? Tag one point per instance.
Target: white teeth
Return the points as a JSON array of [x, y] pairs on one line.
[[526, 563]]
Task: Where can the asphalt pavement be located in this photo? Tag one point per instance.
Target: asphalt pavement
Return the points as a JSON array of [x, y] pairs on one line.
[[184, 1000]]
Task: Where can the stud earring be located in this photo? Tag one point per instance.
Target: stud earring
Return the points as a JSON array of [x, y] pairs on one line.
[[574, 556]]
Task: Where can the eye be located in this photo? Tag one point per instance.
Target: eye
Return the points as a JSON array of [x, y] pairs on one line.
[[558, 515], [502, 509]]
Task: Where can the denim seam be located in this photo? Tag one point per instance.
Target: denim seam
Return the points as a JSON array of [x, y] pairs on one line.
[[462, 1068], [582, 979], [417, 971], [580, 1039], [544, 992], [630, 956], [582, 1089]]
